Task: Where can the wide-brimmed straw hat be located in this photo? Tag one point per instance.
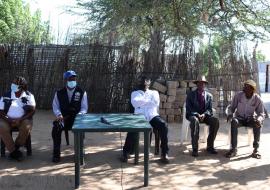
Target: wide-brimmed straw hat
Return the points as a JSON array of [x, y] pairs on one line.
[[201, 78], [251, 83]]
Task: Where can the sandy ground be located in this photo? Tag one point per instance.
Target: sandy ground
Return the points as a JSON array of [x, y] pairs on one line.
[[103, 170]]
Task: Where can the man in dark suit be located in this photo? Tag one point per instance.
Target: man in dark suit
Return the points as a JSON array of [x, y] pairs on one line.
[[199, 110]]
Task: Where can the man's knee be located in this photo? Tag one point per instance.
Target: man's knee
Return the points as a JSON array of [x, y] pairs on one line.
[[193, 120], [215, 121], [234, 122], [163, 126], [26, 124], [4, 127]]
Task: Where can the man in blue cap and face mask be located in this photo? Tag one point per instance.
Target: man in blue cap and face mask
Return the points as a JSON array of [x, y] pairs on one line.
[[67, 103]]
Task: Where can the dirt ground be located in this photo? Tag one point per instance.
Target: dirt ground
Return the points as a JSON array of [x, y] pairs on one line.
[[103, 170]]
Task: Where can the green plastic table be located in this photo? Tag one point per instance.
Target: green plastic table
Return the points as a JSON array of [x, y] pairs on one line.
[[118, 122]]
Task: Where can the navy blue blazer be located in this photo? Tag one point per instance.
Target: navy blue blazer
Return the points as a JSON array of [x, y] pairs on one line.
[[193, 107]]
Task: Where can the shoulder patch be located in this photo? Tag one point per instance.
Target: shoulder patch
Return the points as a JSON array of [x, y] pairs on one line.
[[77, 96]]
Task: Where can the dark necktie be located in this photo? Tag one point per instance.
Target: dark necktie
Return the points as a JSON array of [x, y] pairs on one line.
[[201, 100]]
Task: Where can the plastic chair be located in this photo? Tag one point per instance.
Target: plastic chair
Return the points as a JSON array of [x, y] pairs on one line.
[[185, 128], [67, 136], [157, 140]]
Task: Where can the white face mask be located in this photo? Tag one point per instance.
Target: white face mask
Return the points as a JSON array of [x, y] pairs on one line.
[[71, 84], [14, 87]]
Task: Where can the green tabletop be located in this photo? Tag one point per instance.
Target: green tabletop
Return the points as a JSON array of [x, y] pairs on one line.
[[116, 122]]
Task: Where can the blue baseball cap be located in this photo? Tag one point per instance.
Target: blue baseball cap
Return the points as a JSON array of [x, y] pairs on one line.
[[69, 73]]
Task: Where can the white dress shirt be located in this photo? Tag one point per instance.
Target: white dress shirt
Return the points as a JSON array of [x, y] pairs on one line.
[[56, 106], [16, 108], [146, 103]]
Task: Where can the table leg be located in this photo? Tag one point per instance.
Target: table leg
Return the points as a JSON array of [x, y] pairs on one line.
[[82, 148], [146, 157], [77, 155], [136, 148]]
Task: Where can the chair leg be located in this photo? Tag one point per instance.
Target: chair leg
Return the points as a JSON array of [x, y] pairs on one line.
[[185, 126], [184, 130], [67, 137], [250, 134], [28, 145], [205, 133], [229, 136], [157, 142], [150, 139], [3, 149]]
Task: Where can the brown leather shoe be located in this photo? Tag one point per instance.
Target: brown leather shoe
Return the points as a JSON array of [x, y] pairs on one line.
[[256, 154]]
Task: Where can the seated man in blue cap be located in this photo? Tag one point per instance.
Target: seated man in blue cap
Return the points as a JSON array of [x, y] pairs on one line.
[[67, 103]]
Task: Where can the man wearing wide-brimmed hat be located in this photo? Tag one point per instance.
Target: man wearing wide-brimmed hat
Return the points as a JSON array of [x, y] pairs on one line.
[[248, 110], [199, 110]]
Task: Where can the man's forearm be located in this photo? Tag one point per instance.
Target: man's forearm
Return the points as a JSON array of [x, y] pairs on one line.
[[28, 115], [4, 116]]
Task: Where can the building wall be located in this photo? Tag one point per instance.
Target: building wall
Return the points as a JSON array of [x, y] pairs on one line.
[[262, 75]]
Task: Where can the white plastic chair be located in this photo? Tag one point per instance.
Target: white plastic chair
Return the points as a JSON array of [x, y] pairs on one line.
[[185, 128], [249, 130]]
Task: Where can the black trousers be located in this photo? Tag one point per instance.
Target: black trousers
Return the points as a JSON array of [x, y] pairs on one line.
[[57, 133], [158, 124], [213, 124], [240, 122]]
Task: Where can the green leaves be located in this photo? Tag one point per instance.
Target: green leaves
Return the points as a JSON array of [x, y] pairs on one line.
[[17, 25], [137, 20]]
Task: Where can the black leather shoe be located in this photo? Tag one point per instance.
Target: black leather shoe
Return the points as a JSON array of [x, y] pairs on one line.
[[231, 153], [211, 151], [164, 159], [56, 159], [195, 153], [124, 158], [16, 155]]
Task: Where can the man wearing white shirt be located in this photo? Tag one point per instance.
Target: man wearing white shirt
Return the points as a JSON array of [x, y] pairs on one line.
[[67, 103], [16, 110], [146, 102]]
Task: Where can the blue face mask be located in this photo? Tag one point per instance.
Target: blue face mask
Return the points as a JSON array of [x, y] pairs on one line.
[[71, 84], [14, 87]]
